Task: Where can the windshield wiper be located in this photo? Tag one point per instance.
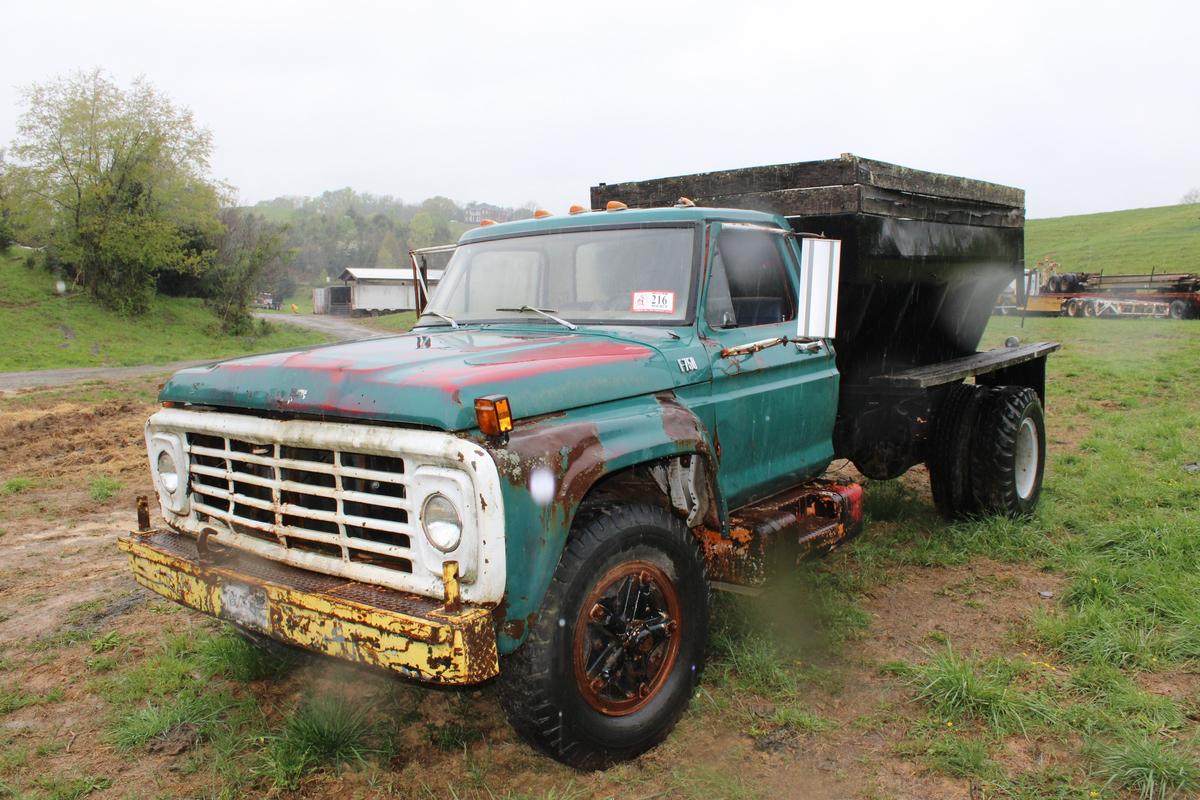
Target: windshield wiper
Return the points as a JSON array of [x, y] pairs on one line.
[[441, 316], [548, 313]]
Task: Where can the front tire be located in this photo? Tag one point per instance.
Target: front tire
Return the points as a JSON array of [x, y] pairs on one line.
[[1009, 452], [613, 657]]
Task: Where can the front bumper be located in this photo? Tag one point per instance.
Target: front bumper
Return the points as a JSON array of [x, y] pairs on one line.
[[415, 636]]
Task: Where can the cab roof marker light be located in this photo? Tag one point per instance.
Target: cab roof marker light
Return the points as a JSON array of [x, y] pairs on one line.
[[483, 223], [541, 213], [576, 209], [685, 202], [615, 205]]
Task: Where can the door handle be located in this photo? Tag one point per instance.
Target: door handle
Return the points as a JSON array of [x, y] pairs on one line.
[[809, 347]]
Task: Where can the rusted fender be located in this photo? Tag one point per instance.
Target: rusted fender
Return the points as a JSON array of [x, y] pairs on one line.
[[547, 467]]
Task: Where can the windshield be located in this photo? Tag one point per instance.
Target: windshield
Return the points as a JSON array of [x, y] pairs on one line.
[[628, 275]]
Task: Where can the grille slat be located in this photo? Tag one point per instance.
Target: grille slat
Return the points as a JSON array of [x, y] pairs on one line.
[[337, 504]]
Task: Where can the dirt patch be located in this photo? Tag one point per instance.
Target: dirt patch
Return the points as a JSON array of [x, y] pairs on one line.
[[976, 607], [59, 451]]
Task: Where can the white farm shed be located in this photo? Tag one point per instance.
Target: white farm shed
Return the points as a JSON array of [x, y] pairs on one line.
[[383, 290]]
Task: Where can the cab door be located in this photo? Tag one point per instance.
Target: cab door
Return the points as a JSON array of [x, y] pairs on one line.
[[772, 404]]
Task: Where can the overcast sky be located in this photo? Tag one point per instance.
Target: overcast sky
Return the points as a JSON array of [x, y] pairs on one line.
[[1087, 106]]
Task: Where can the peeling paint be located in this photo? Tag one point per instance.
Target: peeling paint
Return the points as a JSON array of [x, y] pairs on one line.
[[412, 635]]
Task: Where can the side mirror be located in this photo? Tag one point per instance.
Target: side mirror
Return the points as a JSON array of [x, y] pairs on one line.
[[820, 265]]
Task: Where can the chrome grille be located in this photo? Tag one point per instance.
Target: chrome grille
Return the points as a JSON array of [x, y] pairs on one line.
[[333, 503]]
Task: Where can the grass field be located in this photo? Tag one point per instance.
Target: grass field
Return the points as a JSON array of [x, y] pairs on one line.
[[391, 323], [919, 660], [1136, 241], [45, 330]]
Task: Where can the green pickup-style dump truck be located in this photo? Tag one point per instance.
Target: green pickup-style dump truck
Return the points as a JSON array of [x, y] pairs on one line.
[[599, 417]]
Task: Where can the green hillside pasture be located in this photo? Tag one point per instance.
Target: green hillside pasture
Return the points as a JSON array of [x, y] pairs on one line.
[[45, 330], [1132, 242]]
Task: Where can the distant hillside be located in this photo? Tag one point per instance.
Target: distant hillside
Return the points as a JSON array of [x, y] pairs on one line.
[[43, 329], [1139, 240]]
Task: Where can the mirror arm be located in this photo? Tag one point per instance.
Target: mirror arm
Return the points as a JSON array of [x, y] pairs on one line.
[[801, 342]]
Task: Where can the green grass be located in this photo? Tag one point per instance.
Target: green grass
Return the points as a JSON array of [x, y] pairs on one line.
[[235, 657], [1153, 767], [58, 787], [16, 485], [202, 710], [452, 735], [302, 298], [958, 689], [1136, 241], [1120, 521], [47, 330], [391, 323], [327, 730], [14, 699], [103, 488]]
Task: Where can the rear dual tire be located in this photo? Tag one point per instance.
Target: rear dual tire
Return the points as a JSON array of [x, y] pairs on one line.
[[988, 452], [1008, 452]]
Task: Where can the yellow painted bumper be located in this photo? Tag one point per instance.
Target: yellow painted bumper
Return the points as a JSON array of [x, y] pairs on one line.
[[412, 635]]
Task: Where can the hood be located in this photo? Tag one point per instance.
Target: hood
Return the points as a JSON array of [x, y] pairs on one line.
[[432, 378]]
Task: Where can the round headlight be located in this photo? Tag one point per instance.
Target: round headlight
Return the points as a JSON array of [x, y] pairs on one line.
[[168, 473], [441, 523]]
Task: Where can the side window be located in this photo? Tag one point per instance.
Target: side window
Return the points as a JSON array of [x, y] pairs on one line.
[[749, 284]]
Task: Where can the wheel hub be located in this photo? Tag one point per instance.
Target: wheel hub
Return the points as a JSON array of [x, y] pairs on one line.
[[1026, 458], [625, 639]]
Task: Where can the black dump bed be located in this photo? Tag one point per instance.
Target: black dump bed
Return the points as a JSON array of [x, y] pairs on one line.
[[924, 256]]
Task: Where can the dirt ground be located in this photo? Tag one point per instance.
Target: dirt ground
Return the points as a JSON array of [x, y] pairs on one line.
[[61, 573]]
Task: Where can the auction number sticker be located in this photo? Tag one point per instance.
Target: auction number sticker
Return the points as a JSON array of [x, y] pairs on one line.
[[654, 302]]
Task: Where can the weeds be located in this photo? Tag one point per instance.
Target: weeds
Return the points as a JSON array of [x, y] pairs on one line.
[[955, 754], [15, 699], [16, 485], [103, 488], [452, 735], [202, 711], [1152, 767], [800, 720], [959, 689], [60, 788], [233, 655], [109, 641], [324, 730]]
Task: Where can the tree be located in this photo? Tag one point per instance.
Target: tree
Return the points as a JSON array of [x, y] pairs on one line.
[[1191, 196], [249, 257], [442, 207], [118, 180], [423, 230], [7, 235], [390, 252]]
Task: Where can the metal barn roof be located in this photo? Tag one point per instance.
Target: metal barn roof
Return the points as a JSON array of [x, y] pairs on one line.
[[385, 274]]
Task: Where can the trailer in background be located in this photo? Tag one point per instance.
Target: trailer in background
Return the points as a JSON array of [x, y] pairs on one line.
[[1093, 294]]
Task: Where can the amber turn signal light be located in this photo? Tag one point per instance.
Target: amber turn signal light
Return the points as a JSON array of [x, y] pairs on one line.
[[493, 414]]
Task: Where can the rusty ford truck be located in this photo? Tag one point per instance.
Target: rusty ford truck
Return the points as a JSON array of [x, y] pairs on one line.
[[599, 417]]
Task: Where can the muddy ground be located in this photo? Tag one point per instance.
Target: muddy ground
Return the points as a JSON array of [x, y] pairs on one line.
[[63, 584]]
